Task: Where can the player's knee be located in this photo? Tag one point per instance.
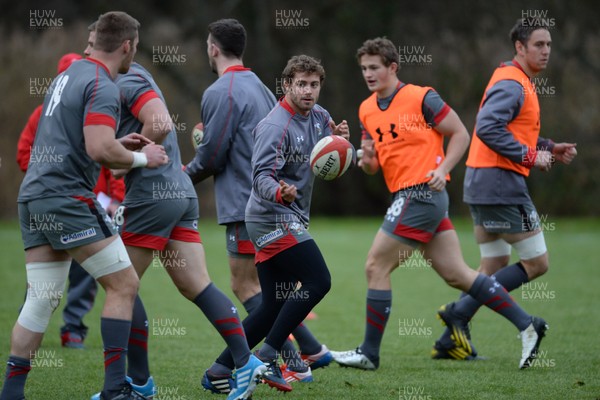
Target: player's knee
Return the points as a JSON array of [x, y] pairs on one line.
[[112, 258], [533, 255], [373, 268], [536, 267], [45, 287]]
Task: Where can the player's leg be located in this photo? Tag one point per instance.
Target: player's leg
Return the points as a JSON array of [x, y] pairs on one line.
[[109, 263], [138, 366], [190, 275], [81, 294], [446, 257], [303, 263], [246, 287], [400, 234], [106, 259], [385, 255], [496, 228], [47, 271]]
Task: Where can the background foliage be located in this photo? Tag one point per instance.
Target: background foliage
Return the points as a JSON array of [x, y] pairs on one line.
[[464, 40]]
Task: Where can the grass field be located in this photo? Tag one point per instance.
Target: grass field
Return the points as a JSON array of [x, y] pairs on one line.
[[183, 344]]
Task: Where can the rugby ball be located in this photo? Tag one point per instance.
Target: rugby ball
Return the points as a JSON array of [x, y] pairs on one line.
[[197, 135], [331, 157]]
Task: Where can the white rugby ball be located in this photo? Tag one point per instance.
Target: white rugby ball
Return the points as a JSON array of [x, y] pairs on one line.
[[197, 135], [331, 157]]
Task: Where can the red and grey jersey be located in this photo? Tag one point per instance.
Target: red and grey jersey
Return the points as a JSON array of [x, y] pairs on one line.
[[167, 182], [59, 164], [283, 143], [231, 108]]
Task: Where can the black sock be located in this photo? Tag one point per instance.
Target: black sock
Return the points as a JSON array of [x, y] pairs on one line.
[[252, 303], [17, 369], [306, 340], [115, 335], [221, 312], [493, 295], [137, 353], [510, 277], [379, 304]]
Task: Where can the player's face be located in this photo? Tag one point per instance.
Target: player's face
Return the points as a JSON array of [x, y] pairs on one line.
[[378, 77], [536, 53], [90, 44], [303, 92], [209, 52], [129, 56]]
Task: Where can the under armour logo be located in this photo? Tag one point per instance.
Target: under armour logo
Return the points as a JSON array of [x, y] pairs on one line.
[[300, 139], [234, 309], [232, 238], [391, 131]]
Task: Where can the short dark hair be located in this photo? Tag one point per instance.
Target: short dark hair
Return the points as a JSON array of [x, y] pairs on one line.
[[230, 36], [382, 47], [92, 26], [303, 63], [113, 28], [524, 28]]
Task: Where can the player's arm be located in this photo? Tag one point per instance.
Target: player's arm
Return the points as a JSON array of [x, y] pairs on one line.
[[562, 152], [453, 128], [267, 162], [502, 104], [26, 139], [156, 120], [219, 117], [102, 147]]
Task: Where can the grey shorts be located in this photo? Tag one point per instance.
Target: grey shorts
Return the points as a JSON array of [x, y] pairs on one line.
[[270, 239], [239, 244], [151, 225], [63, 222], [416, 215], [499, 218]]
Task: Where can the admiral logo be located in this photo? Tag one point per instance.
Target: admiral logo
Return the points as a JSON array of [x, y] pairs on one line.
[[76, 236], [496, 224], [269, 237]]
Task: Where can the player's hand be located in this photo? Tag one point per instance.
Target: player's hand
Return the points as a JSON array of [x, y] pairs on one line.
[[288, 192], [367, 157], [565, 152], [156, 155], [438, 179], [134, 141], [342, 129], [544, 160], [112, 208]]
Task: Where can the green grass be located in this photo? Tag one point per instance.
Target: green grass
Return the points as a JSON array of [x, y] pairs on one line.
[[569, 367]]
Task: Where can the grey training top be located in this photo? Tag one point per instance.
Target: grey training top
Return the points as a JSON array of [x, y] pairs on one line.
[[231, 108], [502, 104], [60, 166], [166, 182], [283, 143]]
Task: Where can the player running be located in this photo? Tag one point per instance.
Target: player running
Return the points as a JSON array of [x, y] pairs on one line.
[[404, 128], [505, 147], [277, 214], [159, 218]]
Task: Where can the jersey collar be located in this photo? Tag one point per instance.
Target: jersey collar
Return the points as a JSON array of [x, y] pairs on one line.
[[99, 63], [236, 68]]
